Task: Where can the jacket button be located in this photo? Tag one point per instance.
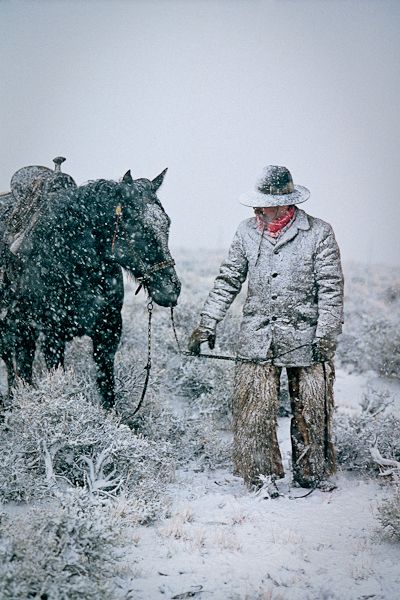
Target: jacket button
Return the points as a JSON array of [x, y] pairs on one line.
[[274, 297], [274, 274], [274, 318]]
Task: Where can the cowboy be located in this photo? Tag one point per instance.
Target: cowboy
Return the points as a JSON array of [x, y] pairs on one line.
[[291, 319]]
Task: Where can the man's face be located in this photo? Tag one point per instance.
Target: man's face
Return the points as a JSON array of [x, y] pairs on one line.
[[270, 213]]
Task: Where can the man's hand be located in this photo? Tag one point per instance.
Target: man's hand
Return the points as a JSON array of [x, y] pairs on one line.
[[323, 349], [200, 335]]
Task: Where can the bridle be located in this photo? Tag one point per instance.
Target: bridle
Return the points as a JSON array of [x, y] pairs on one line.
[[142, 279], [146, 276]]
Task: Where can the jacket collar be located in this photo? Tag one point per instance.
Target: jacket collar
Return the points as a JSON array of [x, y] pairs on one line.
[[300, 222]]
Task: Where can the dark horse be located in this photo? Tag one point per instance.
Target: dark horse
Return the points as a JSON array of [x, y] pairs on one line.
[[69, 281]]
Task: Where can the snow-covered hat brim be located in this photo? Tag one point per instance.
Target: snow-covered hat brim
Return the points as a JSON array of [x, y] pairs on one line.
[[259, 200]]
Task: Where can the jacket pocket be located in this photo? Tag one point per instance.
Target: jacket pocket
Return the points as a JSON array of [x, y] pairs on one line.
[[305, 316]]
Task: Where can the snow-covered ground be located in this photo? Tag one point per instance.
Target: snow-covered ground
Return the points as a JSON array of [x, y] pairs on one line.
[[209, 537], [223, 542]]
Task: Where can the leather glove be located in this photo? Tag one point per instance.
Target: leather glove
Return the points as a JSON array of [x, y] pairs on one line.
[[323, 349], [201, 334]]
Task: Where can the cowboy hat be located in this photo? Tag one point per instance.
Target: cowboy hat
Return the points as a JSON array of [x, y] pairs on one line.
[[275, 187]]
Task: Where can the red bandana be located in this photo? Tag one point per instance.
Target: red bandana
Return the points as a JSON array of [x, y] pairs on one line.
[[274, 227]]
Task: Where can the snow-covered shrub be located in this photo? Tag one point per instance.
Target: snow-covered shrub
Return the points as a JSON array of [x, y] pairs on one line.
[[55, 437], [206, 385], [371, 333], [197, 442], [389, 515], [373, 427], [370, 343], [383, 348], [66, 549]]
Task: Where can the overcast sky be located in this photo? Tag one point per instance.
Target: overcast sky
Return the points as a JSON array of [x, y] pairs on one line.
[[214, 90]]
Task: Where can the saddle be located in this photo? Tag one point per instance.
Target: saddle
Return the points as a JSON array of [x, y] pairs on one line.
[[19, 211], [29, 187]]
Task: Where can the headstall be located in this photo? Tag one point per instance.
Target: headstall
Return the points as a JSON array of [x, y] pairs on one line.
[[152, 269]]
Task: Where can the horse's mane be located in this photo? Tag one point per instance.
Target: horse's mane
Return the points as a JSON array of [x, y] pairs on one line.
[[79, 204], [105, 190], [98, 191]]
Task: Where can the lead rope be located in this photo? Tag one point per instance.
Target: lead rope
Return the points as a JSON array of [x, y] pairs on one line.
[[224, 357], [148, 365], [175, 332]]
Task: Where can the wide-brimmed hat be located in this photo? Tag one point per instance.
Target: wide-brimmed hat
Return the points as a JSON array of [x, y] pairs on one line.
[[275, 187]]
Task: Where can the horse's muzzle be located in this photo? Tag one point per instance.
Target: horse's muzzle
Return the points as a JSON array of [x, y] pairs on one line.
[[163, 290], [165, 297]]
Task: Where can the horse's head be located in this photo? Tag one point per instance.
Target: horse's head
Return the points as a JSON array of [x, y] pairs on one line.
[[139, 238]]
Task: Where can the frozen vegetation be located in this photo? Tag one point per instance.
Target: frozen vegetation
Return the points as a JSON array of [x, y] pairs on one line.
[[98, 505]]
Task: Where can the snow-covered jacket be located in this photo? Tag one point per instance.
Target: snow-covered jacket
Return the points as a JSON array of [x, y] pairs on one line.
[[295, 290]]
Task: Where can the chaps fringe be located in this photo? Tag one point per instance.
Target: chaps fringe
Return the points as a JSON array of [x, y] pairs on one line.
[[311, 393], [255, 408]]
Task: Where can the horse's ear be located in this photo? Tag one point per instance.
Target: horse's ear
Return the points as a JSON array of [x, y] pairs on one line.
[[127, 178], [157, 181]]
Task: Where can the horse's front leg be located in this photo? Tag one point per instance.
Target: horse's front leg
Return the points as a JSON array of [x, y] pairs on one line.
[[11, 371], [7, 357], [7, 354], [25, 347], [106, 338], [53, 348]]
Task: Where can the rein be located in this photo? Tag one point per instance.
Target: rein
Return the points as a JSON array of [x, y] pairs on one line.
[[147, 368], [236, 359]]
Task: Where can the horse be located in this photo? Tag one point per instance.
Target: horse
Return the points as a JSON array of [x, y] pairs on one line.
[[70, 278]]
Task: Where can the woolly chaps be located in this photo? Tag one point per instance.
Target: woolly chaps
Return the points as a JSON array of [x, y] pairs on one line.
[[255, 409]]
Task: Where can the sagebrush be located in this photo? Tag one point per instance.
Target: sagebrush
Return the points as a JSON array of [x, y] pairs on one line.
[[55, 437], [67, 549], [389, 515]]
